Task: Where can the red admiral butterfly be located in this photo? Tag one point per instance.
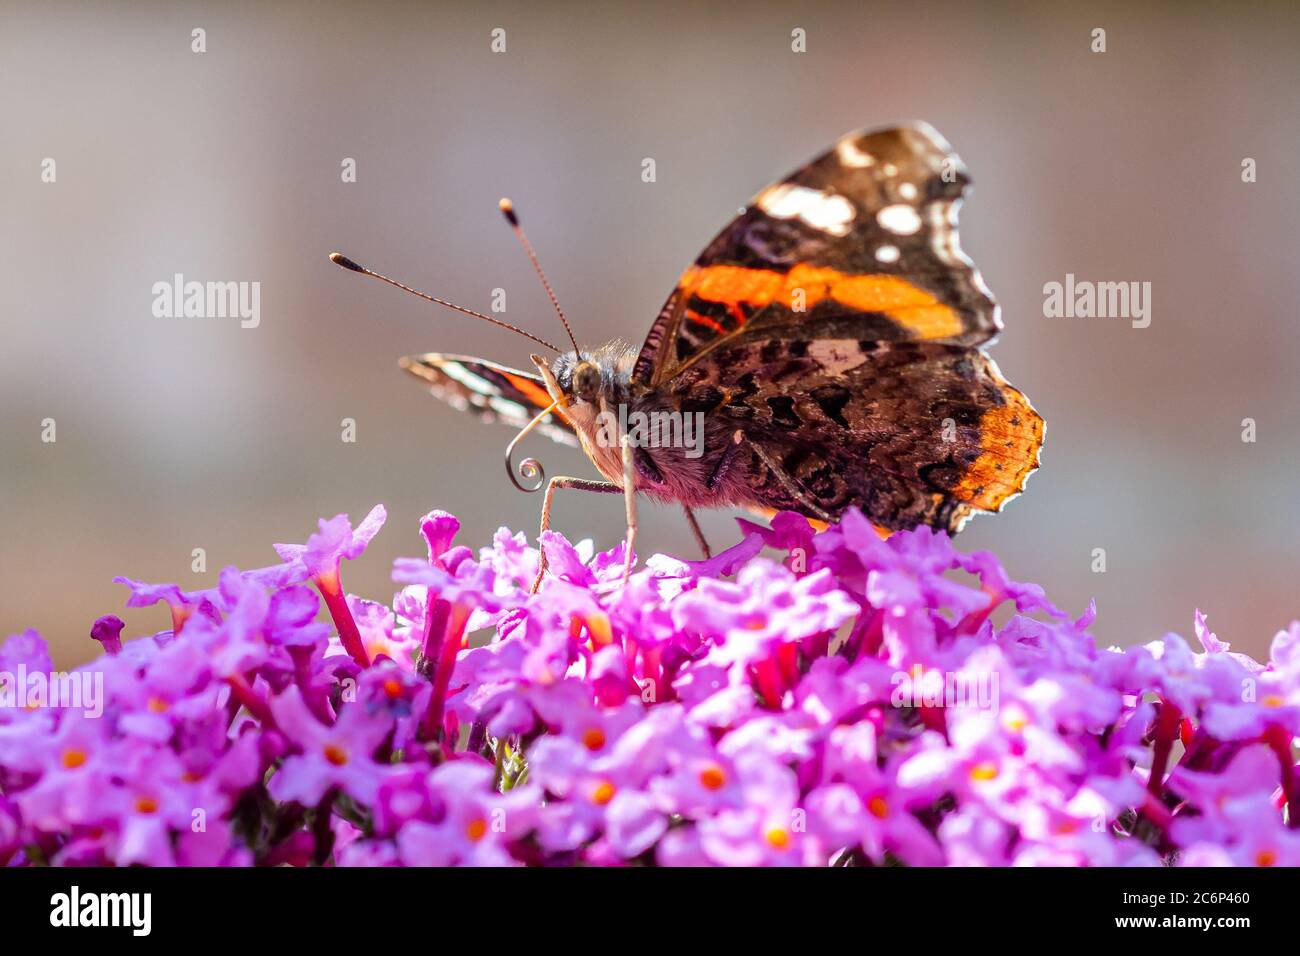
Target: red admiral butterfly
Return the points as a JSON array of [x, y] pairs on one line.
[[823, 352]]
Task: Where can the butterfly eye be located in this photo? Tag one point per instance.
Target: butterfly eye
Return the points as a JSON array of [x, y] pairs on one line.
[[586, 381]]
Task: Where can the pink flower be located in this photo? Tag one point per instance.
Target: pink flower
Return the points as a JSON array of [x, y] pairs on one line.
[[856, 705], [324, 758]]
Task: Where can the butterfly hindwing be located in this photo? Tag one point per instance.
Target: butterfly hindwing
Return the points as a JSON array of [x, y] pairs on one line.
[[910, 432], [494, 392], [859, 244]]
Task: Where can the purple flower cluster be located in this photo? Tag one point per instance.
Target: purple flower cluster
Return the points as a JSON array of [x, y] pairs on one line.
[[854, 704]]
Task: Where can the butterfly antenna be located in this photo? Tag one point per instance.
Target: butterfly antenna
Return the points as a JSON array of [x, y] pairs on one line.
[[339, 259], [508, 210]]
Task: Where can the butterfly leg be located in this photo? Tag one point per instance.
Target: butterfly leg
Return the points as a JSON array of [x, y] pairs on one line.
[[629, 502], [789, 482], [552, 486], [695, 530]]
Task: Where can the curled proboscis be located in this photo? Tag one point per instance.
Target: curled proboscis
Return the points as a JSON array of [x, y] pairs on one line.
[[530, 469]]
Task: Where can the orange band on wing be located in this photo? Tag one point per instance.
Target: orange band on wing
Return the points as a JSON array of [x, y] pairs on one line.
[[914, 309], [538, 395], [1010, 436]]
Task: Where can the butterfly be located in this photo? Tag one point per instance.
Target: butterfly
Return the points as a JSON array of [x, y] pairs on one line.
[[824, 352]]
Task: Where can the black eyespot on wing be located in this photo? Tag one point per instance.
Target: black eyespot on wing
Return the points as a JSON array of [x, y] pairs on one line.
[[831, 399], [941, 475], [782, 407], [704, 399]]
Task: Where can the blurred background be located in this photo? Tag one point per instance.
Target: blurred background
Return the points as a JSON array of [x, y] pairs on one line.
[[175, 434]]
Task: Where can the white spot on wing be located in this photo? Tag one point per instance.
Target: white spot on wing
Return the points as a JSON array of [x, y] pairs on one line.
[[825, 211], [899, 219], [943, 233], [946, 244], [887, 254], [837, 355], [475, 383], [510, 411], [850, 154]]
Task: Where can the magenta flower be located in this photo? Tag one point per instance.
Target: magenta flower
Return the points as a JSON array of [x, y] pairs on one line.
[[324, 758], [475, 824], [856, 704], [336, 541], [320, 557], [768, 829]]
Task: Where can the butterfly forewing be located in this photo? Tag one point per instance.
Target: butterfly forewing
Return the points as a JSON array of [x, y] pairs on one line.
[[861, 242], [494, 392]]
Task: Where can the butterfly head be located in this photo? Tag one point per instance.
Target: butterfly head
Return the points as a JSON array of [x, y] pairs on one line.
[[587, 388], [572, 379]]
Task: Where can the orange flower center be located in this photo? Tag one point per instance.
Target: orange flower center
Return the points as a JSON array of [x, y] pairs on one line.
[[1273, 700], [146, 804], [603, 793], [393, 688], [594, 739], [778, 837], [157, 705], [987, 770], [476, 829], [1266, 858], [878, 807], [598, 627], [713, 777], [72, 759], [336, 755]]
